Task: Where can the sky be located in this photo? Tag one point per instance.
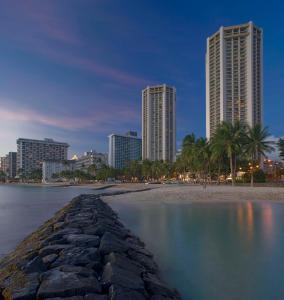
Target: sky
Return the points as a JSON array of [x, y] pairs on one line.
[[74, 70]]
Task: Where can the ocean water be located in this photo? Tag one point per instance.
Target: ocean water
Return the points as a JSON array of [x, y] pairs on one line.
[[208, 251], [214, 251], [24, 208]]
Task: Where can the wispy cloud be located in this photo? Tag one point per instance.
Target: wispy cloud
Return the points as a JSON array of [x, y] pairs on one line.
[[40, 27], [101, 120]]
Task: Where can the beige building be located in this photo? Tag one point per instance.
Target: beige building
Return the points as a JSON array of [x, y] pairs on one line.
[[234, 62], [90, 158], [159, 123]]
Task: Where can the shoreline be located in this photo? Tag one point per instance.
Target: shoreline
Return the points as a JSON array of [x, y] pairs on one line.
[[181, 194]]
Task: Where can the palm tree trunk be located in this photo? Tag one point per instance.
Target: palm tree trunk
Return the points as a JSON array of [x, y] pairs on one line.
[[232, 170], [251, 174]]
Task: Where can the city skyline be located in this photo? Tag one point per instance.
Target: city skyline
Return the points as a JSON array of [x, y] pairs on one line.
[[63, 80]]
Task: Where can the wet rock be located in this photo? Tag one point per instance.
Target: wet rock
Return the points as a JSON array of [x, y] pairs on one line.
[[123, 262], [36, 265], [49, 259], [144, 260], [82, 271], [117, 292], [156, 287], [95, 297], [53, 249], [58, 235], [29, 290], [83, 240], [58, 225], [77, 256], [159, 297], [114, 275], [110, 243], [101, 228], [68, 298], [56, 283]]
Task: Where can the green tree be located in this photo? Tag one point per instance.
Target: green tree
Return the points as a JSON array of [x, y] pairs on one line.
[[230, 137], [257, 145], [202, 156], [188, 152], [147, 169], [134, 170], [218, 157], [2, 176], [92, 169], [280, 145], [106, 172], [35, 174]]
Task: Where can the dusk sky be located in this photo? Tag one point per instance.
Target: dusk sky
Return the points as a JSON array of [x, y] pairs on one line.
[[74, 70]]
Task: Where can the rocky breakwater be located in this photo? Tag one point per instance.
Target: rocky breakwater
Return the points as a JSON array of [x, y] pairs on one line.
[[83, 252]]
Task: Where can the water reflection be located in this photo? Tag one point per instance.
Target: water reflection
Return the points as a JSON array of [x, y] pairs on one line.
[[267, 223], [215, 251]]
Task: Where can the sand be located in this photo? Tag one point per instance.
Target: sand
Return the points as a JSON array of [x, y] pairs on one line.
[[189, 193]]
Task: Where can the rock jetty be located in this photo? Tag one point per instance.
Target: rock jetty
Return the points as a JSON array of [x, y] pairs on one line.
[[83, 253]]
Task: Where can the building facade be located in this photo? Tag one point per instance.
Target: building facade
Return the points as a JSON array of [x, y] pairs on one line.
[[32, 153], [234, 62], [4, 163], [123, 149], [12, 164], [8, 164], [90, 158], [159, 123], [52, 167]]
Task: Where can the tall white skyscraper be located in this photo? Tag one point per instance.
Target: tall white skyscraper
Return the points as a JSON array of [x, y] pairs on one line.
[[234, 76], [159, 123]]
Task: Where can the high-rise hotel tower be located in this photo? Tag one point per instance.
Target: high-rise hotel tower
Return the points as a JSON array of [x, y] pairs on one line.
[[234, 76], [159, 123]]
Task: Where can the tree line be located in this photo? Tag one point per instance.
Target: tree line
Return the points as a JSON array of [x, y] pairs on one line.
[[232, 148]]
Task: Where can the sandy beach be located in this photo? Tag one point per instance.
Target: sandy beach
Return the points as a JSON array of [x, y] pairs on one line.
[[189, 193]]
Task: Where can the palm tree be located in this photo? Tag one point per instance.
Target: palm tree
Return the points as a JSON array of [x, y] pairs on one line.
[[202, 157], [280, 145], [218, 156], [187, 155], [188, 140], [147, 169], [229, 136], [257, 145]]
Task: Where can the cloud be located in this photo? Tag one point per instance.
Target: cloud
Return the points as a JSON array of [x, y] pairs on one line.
[[41, 27], [102, 120]]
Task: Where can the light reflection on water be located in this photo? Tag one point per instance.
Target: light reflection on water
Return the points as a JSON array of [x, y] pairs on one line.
[[214, 250]]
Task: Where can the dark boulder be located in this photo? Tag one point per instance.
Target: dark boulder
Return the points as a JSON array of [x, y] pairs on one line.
[[36, 265], [78, 256], [29, 291], [53, 249], [117, 292], [83, 240], [56, 283], [110, 243], [124, 278]]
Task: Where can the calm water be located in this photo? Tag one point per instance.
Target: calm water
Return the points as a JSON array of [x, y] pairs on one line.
[[24, 208], [221, 251], [231, 251]]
